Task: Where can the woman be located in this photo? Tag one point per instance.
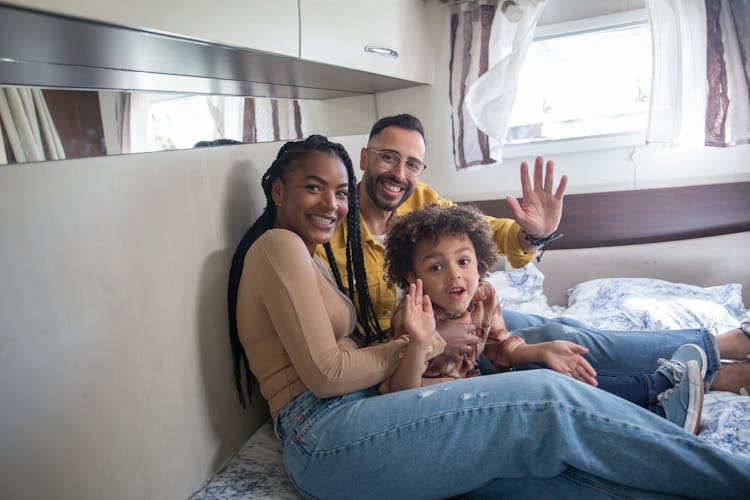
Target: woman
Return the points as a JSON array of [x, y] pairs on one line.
[[515, 434]]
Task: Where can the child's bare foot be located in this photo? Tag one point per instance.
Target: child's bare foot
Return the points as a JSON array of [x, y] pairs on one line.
[[734, 344], [732, 377]]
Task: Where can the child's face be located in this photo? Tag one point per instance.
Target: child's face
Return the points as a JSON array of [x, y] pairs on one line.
[[448, 270]]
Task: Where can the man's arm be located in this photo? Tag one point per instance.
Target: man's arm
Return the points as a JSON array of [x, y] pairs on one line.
[[458, 336]]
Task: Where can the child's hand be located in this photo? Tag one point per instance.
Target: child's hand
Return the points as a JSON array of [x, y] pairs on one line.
[[567, 358], [419, 320]]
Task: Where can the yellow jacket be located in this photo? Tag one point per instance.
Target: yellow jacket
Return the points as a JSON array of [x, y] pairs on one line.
[[505, 232]]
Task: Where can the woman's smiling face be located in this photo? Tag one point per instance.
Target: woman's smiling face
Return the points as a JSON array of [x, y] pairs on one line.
[[312, 198]]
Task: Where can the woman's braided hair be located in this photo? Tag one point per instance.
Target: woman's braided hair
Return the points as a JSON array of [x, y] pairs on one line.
[[368, 330]]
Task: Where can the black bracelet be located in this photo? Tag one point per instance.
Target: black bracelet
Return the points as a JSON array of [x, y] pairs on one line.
[[538, 242]]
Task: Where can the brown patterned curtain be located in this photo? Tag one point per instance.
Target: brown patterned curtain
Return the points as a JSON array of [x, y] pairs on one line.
[[271, 120], [470, 34], [488, 50], [728, 72]]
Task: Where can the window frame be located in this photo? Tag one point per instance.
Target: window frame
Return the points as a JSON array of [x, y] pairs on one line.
[[625, 19]]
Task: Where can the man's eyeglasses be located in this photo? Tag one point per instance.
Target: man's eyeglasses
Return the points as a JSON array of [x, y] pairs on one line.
[[414, 166]]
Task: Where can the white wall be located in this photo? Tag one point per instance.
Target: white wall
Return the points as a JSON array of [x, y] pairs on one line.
[[115, 373], [687, 261], [594, 171]]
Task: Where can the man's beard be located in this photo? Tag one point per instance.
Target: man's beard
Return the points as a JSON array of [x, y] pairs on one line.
[[371, 187]]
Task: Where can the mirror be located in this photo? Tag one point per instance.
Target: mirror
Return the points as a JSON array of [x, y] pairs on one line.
[[111, 89], [68, 124]]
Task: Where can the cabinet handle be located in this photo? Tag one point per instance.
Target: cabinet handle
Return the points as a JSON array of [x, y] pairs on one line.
[[381, 51]]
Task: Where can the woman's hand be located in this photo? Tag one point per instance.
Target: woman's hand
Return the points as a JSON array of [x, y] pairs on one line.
[[419, 320], [567, 358]]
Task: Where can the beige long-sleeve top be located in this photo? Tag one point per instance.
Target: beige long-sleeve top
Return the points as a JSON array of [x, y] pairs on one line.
[[294, 326]]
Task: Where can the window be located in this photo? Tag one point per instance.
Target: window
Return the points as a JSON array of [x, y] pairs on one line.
[[583, 84], [176, 121]]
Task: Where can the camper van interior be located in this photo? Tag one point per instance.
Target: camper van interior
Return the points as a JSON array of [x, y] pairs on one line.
[[115, 370]]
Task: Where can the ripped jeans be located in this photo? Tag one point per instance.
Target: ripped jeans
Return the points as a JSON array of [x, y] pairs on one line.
[[524, 434]]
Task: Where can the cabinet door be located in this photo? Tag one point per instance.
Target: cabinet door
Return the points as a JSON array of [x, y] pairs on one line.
[[264, 25], [338, 31]]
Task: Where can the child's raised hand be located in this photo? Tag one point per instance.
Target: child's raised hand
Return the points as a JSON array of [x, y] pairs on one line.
[[567, 358], [419, 320]]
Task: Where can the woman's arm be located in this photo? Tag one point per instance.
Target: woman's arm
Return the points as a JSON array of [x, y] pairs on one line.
[[292, 291]]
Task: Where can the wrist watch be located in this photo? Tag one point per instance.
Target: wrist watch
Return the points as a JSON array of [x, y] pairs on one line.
[[745, 327]]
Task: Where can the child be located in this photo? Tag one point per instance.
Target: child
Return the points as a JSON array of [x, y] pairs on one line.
[[445, 253]]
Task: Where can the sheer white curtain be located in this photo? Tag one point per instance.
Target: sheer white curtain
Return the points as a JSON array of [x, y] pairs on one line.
[[699, 94], [490, 98], [28, 124], [678, 89]]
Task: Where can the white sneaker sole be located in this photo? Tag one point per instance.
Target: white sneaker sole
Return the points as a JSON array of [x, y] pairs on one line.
[[694, 410]]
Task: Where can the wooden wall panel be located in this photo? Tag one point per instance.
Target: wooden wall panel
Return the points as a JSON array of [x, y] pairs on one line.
[[646, 215]]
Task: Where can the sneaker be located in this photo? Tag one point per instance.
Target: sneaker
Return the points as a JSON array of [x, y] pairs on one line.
[[683, 403], [674, 367]]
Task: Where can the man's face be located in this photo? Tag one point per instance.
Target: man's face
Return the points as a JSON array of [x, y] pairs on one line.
[[388, 186]]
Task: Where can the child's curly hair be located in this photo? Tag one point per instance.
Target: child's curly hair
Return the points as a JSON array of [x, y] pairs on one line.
[[431, 222]]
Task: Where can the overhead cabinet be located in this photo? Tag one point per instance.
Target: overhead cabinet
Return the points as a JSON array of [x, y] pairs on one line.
[[387, 37], [268, 26], [311, 49]]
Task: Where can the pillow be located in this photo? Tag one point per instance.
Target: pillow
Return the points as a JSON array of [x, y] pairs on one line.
[[652, 304], [521, 289]]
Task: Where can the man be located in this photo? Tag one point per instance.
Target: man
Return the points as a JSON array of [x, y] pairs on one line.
[[392, 163]]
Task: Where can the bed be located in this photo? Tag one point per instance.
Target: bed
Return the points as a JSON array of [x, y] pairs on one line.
[[256, 471], [680, 291]]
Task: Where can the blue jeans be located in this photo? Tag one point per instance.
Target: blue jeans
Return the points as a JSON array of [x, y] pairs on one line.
[[506, 435], [614, 353]]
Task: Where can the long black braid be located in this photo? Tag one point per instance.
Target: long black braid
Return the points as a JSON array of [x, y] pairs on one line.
[[289, 154]]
